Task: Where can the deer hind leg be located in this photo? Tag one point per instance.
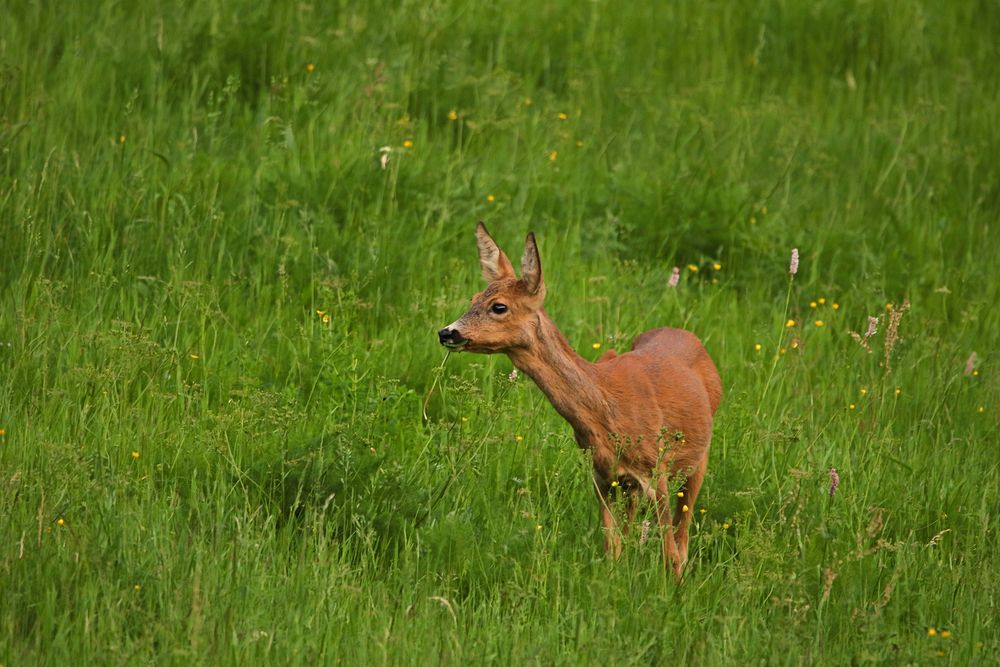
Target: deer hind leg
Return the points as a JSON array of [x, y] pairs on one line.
[[631, 507], [671, 555], [682, 519]]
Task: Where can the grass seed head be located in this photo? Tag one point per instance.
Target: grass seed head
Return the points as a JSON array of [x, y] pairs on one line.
[[675, 277], [970, 364]]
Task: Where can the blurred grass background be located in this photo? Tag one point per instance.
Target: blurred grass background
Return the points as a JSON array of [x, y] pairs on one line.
[[218, 309]]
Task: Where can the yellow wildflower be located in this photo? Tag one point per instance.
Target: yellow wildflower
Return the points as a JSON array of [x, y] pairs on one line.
[[562, 116], [898, 391], [945, 634], [452, 115], [553, 156], [717, 266], [490, 198], [812, 304], [194, 356], [835, 306], [725, 525], [684, 508], [310, 67], [135, 454], [326, 319], [757, 347], [680, 494], [60, 521], [596, 346], [821, 300], [408, 143], [931, 632], [519, 438], [851, 406], [693, 268], [614, 484], [819, 323], [121, 138], [789, 324]]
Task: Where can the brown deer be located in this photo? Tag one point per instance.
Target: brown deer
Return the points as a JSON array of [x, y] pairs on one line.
[[645, 416]]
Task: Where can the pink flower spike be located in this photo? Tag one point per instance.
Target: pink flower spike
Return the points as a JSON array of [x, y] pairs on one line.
[[793, 266], [872, 326], [970, 363], [834, 481], [645, 532], [675, 277]]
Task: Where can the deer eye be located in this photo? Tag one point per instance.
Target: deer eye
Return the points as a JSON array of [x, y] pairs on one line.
[[498, 308]]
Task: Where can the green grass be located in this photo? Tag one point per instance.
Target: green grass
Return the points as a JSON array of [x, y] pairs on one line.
[[180, 195]]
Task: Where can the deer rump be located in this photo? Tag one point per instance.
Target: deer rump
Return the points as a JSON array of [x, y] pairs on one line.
[[661, 398]]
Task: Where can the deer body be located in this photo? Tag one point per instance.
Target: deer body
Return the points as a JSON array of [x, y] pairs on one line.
[[645, 415]]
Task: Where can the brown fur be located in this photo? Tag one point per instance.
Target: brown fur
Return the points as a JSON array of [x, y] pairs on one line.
[[645, 415]]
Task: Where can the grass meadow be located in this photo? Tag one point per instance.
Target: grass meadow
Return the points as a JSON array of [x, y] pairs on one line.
[[229, 232]]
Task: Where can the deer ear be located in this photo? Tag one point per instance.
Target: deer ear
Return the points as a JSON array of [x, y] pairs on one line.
[[531, 266], [492, 259]]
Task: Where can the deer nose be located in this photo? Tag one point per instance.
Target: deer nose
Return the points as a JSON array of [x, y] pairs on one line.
[[451, 338]]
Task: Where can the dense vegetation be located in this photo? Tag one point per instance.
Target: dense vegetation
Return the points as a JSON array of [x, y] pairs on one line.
[[229, 232]]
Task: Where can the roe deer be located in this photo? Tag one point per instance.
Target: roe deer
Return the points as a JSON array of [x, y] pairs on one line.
[[645, 416]]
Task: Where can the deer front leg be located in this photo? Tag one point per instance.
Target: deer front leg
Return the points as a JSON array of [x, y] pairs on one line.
[[612, 540]]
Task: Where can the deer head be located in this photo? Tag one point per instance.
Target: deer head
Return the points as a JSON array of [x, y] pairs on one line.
[[504, 316]]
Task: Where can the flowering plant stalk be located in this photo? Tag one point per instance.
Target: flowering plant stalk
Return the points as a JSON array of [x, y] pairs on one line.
[[793, 268]]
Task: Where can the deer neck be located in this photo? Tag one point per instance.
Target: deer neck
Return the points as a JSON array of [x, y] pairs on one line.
[[567, 379]]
